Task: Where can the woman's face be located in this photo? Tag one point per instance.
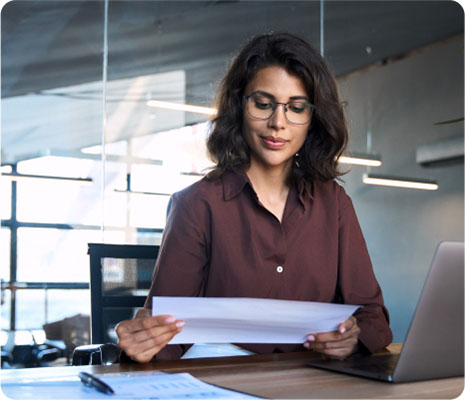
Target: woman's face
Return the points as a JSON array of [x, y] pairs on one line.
[[274, 141]]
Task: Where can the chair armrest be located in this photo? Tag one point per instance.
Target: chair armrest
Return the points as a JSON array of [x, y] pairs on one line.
[[48, 354], [5, 357], [96, 354]]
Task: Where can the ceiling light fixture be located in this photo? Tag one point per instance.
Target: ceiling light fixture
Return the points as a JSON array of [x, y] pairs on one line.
[[193, 173], [19, 177], [400, 182], [141, 192], [181, 107], [369, 160]]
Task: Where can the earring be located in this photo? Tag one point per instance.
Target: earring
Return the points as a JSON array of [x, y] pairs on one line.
[[296, 160]]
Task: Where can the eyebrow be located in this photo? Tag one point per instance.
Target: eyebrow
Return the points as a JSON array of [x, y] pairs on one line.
[[269, 95]]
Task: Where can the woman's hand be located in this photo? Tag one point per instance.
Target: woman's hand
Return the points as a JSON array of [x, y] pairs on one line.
[[144, 336], [337, 344]]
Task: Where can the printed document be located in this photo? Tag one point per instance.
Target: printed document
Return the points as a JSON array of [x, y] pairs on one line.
[[135, 385], [250, 320]]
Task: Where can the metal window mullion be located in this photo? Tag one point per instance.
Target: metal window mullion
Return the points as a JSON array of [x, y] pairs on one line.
[[13, 250]]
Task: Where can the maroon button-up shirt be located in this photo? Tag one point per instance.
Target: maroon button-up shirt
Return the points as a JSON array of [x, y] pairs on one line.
[[220, 241]]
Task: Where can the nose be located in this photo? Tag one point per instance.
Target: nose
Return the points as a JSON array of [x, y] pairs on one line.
[[278, 119]]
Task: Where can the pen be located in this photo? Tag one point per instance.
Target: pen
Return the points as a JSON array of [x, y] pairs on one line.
[[91, 380]]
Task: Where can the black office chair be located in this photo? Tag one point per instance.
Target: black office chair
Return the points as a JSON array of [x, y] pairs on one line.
[[120, 278]]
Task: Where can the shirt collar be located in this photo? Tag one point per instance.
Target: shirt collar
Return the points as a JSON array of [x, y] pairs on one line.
[[305, 191], [234, 183]]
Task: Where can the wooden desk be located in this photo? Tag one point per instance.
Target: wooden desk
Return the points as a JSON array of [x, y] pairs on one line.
[[274, 376]]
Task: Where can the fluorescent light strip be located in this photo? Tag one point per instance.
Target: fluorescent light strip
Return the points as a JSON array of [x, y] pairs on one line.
[[360, 160], [19, 177], [140, 192], [193, 173], [181, 107], [380, 180]]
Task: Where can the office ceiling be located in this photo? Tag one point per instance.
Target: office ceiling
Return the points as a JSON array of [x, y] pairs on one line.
[[56, 44], [49, 44]]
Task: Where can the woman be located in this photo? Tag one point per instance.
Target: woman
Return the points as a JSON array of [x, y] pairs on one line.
[[269, 221]]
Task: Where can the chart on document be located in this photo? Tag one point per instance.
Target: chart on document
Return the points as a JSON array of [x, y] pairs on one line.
[[125, 385]]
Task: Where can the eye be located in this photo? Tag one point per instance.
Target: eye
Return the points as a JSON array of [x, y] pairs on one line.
[[262, 103], [297, 107]]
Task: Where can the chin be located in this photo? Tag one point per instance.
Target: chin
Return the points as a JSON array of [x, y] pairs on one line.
[[274, 162]]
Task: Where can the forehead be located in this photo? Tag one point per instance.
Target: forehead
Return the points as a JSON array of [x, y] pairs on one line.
[[277, 82]]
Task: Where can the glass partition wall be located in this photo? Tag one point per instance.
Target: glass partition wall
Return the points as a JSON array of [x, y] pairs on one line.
[[94, 140], [50, 190]]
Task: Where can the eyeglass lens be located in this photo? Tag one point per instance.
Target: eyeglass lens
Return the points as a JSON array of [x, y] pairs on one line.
[[261, 107]]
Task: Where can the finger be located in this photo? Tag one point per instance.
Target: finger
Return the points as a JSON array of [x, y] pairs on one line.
[[334, 335], [154, 341], [135, 342], [348, 342], [148, 354], [143, 323], [146, 334], [341, 352], [144, 352], [337, 353], [327, 336], [143, 312], [152, 344], [151, 322], [138, 324], [347, 325], [131, 339]]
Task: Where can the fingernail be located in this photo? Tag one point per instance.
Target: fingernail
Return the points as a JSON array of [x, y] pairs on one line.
[[306, 345], [180, 324], [342, 330], [170, 319], [311, 338]]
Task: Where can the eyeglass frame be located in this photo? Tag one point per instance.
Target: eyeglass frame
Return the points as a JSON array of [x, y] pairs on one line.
[[275, 106]]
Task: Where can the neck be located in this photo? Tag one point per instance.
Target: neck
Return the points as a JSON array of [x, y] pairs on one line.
[[272, 183]]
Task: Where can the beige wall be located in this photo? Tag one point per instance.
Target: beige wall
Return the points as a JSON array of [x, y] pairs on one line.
[[400, 102]]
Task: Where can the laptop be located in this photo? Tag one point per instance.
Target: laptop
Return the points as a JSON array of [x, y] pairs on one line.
[[434, 345]]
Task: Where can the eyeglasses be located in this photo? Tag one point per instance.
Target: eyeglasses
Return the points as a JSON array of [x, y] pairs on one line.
[[261, 107]]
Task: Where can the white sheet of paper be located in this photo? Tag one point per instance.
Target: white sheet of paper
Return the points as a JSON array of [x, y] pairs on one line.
[[136, 386], [250, 320]]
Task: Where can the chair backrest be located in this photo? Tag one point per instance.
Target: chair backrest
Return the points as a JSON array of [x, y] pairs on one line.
[[120, 278]]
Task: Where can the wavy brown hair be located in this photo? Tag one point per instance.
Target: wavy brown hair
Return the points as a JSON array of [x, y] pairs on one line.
[[327, 135]]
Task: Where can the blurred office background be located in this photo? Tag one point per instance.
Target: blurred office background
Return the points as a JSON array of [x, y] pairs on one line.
[[76, 81]]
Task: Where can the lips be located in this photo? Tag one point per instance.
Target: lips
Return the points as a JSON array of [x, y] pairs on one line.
[[273, 142]]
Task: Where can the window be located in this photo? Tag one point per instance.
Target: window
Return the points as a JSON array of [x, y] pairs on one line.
[[54, 255], [5, 254], [5, 198]]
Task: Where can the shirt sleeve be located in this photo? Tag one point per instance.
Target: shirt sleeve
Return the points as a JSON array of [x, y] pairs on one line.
[[182, 263], [357, 282]]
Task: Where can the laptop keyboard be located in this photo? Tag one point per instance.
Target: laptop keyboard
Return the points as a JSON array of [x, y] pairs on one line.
[[381, 363], [387, 366]]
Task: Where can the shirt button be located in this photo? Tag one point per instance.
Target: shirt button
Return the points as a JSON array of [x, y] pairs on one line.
[[279, 269]]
